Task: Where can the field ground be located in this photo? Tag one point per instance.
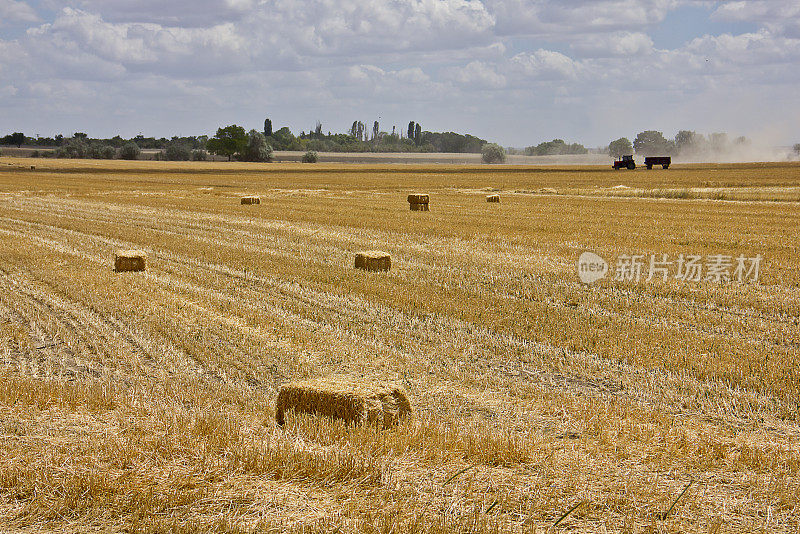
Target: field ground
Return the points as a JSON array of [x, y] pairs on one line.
[[144, 402]]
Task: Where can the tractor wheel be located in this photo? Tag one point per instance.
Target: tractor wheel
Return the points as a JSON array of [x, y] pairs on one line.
[[631, 165], [649, 167]]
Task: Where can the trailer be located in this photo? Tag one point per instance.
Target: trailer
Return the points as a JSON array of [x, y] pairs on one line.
[[625, 163], [664, 161]]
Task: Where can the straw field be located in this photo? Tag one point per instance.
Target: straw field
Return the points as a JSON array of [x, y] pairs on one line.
[[145, 401]]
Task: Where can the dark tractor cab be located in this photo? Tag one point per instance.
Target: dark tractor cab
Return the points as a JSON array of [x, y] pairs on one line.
[[625, 163]]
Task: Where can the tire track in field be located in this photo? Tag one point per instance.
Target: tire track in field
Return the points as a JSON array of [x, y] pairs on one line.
[[78, 328], [72, 332], [415, 335]]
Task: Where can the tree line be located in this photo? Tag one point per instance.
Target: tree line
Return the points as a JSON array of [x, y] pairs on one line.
[[234, 142]]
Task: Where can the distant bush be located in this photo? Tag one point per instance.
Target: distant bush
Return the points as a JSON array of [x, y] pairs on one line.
[[177, 152], [199, 155], [556, 147], [102, 152], [73, 148], [35, 154], [130, 151], [493, 153], [309, 157]]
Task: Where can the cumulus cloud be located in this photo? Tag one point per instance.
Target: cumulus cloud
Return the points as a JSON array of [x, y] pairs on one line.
[[184, 13], [565, 19], [760, 48], [545, 65], [13, 11], [476, 74], [779, 16], [616, 44]]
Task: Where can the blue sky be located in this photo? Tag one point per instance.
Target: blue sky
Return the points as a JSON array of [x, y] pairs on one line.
[[518, 72]]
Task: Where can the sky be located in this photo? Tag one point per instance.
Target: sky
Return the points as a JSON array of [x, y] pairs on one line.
[[515, 72]]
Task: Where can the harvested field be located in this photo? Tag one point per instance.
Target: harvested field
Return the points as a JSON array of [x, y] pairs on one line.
[[146, 403]]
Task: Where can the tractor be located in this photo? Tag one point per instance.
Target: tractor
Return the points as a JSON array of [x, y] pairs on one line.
[[625, 163]]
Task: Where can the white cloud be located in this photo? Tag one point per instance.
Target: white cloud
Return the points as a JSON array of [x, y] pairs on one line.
[[566, 19], [779, 16], [754, 49], [12, 11], [545, 65], [617, 44], [476, 74], [8, 90]]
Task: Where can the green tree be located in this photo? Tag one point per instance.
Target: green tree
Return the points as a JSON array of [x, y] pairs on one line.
[[411, 129], [16, 138], [282, 139], [267, 127], [417, 134], [129, 150], [493, 153], [620, 147], [309, 157], [228, 141], [257, 148], [177, 151], [653, 143], [796, 149]]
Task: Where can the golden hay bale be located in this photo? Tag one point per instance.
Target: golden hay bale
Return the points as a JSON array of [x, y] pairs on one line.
[[419, 207], [493, 198], [33, 167], [251, 200], [345, 397], [373, 260], [130, 260], [418, 198]]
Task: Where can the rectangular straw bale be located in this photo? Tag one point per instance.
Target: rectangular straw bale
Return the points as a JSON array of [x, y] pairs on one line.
[[373, 260], [493, 198], [418, 198], [251, 200], [419, 207], [351, 399], [130, 260]]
